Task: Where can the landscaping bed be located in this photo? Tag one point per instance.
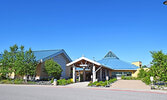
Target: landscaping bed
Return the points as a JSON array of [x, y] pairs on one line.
[[17, 81], [102, 83]]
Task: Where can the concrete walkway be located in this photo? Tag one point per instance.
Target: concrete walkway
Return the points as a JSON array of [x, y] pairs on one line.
[[78, 85], [130, 84]]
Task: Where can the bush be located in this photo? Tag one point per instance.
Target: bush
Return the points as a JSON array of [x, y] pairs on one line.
[[18, 81], [52, 80], [142, 73], [146, 80], [129, 78], [5, 82], [122, 77], [71, 80], [68, 81], [90, 84], [95, 83], [101, 83], [64, 82], [112, 80], [98, 84], [30, 82]]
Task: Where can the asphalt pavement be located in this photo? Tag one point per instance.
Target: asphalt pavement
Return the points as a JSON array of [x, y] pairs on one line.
[[24, 92]]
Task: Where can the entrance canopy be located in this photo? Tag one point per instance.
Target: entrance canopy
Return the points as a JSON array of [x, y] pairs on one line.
[[86, 63]]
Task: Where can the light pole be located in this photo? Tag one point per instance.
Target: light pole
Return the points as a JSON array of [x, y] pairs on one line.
[[165, 2]]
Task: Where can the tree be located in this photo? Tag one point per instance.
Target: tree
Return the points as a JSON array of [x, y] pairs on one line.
[[8, 61], [142, 73], [53, 69], [25, 65], [159, 66], [20, 62]]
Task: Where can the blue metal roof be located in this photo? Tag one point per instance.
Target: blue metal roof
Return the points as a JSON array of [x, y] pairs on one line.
[[113, 62], [47, 54], [44, 53]]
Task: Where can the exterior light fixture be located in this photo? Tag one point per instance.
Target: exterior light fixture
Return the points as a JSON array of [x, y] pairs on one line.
[[83, 65], [165, 2]]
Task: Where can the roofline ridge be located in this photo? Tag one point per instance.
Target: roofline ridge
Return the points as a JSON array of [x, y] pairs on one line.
[[47, 50]]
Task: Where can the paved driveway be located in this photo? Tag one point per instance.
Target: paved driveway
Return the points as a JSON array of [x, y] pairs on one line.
[[130, 84]]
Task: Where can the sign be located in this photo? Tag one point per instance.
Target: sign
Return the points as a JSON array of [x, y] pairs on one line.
[[152, 78]]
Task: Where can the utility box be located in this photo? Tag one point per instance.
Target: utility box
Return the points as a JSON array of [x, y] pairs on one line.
[[55, 82]]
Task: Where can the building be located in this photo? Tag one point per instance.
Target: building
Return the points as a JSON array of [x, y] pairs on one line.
[[137, 63], [110, 66], [83, 68], [59, 56]]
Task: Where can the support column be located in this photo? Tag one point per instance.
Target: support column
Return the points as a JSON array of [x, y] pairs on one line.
[[101, 74], [94, 73], [105, 73], [74, 74], [84, 74], [79, 77]]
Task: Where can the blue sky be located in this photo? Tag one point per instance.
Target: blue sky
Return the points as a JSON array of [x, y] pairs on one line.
[[129, 28]]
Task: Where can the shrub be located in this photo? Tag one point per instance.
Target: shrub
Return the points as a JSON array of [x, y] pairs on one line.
[[95, 83], [18, 81], [128, 78], [101, 82], [98, 84], [146, 80], [122, 77], [90, 84], [142, 73], [64, 82], [71, 80], [52, 80], [112, 80], [6, 82], [30, 82], [68, 81]]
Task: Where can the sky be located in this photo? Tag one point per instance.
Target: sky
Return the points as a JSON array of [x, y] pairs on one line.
[[128, 28]]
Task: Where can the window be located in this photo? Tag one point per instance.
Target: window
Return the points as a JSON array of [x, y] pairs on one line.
[[114, 74]]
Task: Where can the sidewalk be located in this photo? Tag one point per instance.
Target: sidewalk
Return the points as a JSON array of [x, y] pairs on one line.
[[130, 84]]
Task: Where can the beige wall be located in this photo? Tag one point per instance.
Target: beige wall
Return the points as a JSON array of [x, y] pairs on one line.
[[137, 63], [137, 72]]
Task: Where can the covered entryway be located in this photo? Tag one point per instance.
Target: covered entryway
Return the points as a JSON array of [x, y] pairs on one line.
[[89, 69]]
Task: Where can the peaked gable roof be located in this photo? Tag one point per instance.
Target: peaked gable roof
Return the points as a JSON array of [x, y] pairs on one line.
[[47, 54], [113, 62]]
